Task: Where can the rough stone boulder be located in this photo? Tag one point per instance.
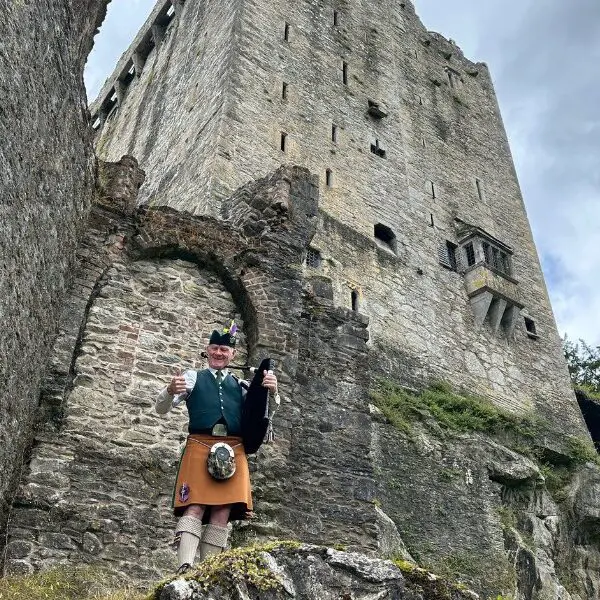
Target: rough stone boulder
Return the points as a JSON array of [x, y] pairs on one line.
[[289, 570]]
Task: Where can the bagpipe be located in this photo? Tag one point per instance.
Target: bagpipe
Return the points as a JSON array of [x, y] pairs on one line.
[[256, 420]]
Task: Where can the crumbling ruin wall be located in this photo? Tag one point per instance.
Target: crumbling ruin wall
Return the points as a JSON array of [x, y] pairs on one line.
[[46, 182], [149, 289]]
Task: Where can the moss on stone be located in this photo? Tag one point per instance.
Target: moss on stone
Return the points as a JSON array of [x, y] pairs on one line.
[[433, 587], [246, 564], [451, 410]]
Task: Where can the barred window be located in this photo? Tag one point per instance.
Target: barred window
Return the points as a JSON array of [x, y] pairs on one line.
[[496, 258], [469, 254], [313, 258]]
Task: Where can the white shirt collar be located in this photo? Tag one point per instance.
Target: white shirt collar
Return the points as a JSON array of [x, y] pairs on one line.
[[214, 372]]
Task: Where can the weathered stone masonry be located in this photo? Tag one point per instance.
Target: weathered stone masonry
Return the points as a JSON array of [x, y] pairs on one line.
[[149, 289], [46, 185], [421, 209]]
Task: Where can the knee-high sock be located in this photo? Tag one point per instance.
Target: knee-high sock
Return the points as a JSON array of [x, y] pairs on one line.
[[189, 532], [214, 540]]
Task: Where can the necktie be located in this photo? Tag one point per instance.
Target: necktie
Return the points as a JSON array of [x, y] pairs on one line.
[[219, 377]]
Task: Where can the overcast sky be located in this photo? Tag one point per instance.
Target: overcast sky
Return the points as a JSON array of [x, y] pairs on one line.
[[544, 57]]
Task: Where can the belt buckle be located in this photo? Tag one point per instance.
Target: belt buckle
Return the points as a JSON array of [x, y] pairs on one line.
[[219, 430]]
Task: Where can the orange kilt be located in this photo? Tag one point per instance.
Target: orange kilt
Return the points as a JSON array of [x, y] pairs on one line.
[[195, 485]]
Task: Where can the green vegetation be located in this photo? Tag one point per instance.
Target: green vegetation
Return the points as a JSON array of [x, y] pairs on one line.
[[434, 587], [245, 564], [443, 587], [508, 519], [583, 361], [65, 583], [582, 451], [451, 410]]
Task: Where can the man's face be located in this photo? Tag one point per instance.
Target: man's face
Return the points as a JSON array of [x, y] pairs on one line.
[[219, 356]]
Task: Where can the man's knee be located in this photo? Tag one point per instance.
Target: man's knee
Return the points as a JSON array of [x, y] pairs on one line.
[[219, 515], [194, 510]]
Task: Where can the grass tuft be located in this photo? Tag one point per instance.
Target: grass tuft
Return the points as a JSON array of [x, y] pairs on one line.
[[63, 583], [451, 410]]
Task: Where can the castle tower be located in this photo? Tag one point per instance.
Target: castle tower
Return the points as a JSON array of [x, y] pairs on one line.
[[422, 225]]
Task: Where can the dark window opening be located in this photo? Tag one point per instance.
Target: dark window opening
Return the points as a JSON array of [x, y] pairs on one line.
[[334, 133], [283, 141], [345, 72], [496, 258], [431, 223], [447, 255], [479, 186], [354, 300], [377, 149], [432, 189], [450, 79], [313, 258], [385, 235], [286, 32], [329, 178], [469, 254], [336, 18], [284, 91], [530, 327], [590, 410]]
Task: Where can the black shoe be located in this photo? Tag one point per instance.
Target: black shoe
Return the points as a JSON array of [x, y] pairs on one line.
[[183, 569]]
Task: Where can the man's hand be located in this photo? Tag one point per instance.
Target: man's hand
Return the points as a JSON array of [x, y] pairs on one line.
[[270, 381], [177, 385]]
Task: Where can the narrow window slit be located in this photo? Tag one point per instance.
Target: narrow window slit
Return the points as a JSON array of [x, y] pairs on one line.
[[283, 141], [284, 91], [329, 178], [334, 133], [336, 18], [345, 72], [354, 300], [480, 191], [286, 32]]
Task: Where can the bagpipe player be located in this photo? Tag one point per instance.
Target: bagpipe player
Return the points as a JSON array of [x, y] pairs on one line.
[[228, 418]]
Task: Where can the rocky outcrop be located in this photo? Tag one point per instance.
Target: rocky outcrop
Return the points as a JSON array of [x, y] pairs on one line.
[[46, 185], [303, 572]]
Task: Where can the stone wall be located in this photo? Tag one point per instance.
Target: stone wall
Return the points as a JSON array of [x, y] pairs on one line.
[[413, 142], [46, 184], [155, 117], [149, 289]]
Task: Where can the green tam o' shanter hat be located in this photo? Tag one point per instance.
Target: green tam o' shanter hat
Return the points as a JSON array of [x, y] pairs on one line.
[[226, 337]]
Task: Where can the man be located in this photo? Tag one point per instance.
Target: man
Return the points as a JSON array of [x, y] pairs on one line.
[[214, 400]]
